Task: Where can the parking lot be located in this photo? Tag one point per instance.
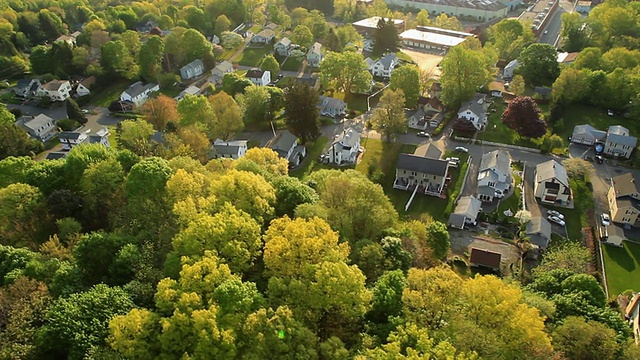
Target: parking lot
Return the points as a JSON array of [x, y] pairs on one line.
[[426, 61]]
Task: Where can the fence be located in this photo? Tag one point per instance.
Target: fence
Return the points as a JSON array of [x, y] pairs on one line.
[[508, 146]]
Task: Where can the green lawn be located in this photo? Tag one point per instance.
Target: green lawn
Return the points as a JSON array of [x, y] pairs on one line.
[[291, 64], [171, 92], [384, 156], [311, 163], [622, 266], [500, 133], [10, 98], [356, 102], [513, 201], [253, 56], [581, 114], [104, 97]]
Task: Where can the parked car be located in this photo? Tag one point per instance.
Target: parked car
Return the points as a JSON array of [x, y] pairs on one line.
[[462, 149], [556, 214], [546, 32], [605, 219], [599, 159], [556, 220], [85, 111], [610, 112], [423, 134]]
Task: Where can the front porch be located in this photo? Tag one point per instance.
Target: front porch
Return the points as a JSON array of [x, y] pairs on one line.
[[405, 184]]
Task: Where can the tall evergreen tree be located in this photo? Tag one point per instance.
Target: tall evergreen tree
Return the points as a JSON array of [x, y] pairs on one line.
[[301, 111], [74, 112], [386, 37]]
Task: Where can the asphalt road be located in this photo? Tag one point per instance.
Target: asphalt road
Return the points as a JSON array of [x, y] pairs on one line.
[[554, 26]]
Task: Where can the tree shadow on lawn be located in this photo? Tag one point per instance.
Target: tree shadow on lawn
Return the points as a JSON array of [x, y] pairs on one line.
[[621, 257]]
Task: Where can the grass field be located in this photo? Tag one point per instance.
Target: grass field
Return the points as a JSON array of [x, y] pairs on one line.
[[252, 56], [622, 266], [106, 96], [291, 64], [581, 114], [498, 132], [384, 156]]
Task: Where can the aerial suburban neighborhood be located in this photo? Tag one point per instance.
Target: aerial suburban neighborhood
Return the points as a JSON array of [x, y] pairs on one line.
[[377, 179]]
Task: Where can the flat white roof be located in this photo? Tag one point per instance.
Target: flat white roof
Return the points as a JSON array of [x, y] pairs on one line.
[[433, 38], [372, 22]]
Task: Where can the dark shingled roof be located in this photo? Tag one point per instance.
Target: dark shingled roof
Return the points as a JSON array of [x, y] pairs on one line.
[[422, 164], [255, 73], [486, 258]]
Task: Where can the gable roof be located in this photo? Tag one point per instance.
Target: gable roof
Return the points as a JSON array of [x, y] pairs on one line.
[[224, 66], [316, 48], [283, 142], [37, 122], [55, 155], [552, 170], [512, 64], [192, 65], [54, 85], [88, 81], [539, 231], [24, 83], [348, 138], [255, 73], [284, 41], [369, 62], [496, 159], [486, 258], [422, 164], [625, 184], [229, 147], [588, 130], [476, 105], [266, 33], [468, 206], [388, 59], [138, 88], [435, 103]]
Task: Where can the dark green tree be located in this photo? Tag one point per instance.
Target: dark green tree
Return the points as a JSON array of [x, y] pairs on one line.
[[291, 192], [302, 114], [438, 239], [74, 112], [538, 64], [386, 37]]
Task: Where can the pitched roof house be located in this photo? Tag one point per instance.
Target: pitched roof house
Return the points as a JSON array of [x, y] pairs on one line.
[[315, 55], [485, 258], [552, 183], [286, 145], [475, 111], [632, 314], [234, 149], [384, 66], [190, 90], [624, 199], [345, 148], [587, 135], [417, 119], [263, 37], [41, 127], [507, 73], [332, 107], [192, 69], [217, 73], [56, 90], [27, 87], [259, 77], [539, 232], [138, 93], [283, 47], [619, 143], [70, 139], [466, 212], [494, 175], [421, 174], [84, 86]]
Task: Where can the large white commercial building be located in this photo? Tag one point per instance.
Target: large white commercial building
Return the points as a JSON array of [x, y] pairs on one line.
[[427, 37], [480, 10]]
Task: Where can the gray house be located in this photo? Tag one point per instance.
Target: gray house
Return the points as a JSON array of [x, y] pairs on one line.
[[494, 175], [539, 232], [466, 212], [234, 149], [587, 135], [192, 69], [41, 127], [286, 145], [27, 87], [426, 174], [619, 143]]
